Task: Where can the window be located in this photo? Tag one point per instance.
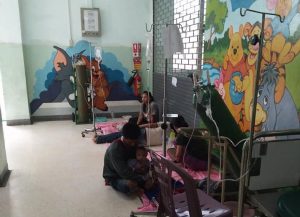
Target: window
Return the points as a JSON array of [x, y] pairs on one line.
[[188, 14]]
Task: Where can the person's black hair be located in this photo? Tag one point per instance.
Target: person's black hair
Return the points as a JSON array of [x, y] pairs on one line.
[[131, 131], [148, 93], [133, 120], [150, 99], [141, 148], [178, 122]]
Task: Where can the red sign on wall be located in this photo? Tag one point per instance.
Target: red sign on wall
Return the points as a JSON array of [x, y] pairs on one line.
[[136, 49]]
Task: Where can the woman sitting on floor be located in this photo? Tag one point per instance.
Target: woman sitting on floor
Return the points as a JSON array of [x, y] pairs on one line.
[[149, 112], [148, 118], [191, 152]]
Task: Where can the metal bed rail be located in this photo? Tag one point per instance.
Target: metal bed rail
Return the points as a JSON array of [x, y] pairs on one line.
[[246, 159]]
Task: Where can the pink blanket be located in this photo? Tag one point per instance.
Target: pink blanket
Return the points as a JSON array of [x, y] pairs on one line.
[[199, 175], [110, 127]]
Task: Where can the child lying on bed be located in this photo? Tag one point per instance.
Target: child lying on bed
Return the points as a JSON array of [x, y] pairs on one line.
[[191, 152]]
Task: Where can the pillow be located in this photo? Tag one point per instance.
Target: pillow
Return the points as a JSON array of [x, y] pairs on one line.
[[154, 136]]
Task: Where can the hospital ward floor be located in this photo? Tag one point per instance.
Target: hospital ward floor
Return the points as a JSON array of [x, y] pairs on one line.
[[57, 173]]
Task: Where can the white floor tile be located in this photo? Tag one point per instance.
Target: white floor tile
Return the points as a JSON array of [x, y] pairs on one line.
[[57, 173]]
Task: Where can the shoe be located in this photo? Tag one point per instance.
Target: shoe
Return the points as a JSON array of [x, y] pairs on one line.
[[151, 207], [145, 201]]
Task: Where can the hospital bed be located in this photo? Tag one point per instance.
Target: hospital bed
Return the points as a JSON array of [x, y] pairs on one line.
[[272, 173]]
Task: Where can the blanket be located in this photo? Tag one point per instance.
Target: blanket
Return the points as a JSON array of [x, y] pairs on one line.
[[112, 126], [198, 175]]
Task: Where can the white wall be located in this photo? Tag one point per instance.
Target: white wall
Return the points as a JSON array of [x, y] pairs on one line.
[[44, 21], [10, 33], [3, 160], [12, 63], [43, 24], [58, 22], [122, 22]]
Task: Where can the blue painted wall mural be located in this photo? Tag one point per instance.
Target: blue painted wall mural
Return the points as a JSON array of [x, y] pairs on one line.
[[55, 82], [230, 59]]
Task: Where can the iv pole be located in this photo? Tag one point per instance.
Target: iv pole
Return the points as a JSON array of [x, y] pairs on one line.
[[259, 40], [164, 125], [98, 58]]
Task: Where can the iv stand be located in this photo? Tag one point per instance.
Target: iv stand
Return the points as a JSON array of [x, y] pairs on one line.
[[253, 114], [98, 59], [164, 126]]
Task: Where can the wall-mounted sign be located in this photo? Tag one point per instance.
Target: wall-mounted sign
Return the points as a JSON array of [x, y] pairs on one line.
[[90, 21]]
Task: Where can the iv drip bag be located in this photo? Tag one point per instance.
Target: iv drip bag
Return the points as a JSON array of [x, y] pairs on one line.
[[149, 47], [98, 55]]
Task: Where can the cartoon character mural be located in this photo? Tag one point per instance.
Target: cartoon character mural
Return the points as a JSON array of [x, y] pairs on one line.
[[272, 115], [285, 9], [250, 32], [99, 82], [235, 76], [238, 66], [280, 52], [219, 85], [109, 84], [61, 86]]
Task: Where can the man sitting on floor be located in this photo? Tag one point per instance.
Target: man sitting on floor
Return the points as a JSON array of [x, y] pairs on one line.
[[116, 170]]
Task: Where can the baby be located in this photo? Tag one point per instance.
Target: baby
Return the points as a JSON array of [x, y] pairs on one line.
[[140, 164]]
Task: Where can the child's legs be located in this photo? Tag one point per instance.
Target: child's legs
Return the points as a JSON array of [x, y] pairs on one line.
[[195, 163], [176, 153], [179, 153], [171, 153], [107, 138], [148, 183]]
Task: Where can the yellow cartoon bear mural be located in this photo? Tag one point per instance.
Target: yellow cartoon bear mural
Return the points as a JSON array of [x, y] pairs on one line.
[[238, 67], [233, 71]]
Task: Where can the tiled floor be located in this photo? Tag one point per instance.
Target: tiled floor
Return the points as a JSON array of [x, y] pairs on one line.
[[57, 173]]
